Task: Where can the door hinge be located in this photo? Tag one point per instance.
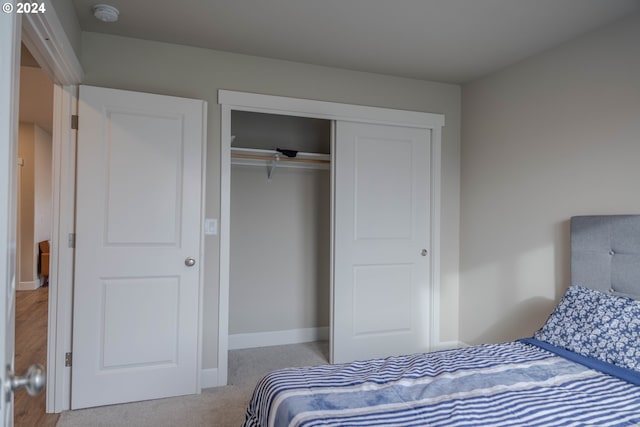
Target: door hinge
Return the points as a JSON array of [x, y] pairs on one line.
[[72, 240], [74, 121], [67, 359]]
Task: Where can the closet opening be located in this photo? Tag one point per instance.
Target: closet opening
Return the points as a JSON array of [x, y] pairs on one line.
[[280, 243]]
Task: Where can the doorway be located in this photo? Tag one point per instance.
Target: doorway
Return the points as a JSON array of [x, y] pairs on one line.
[[280, 234], [44, 36], [33, 233]]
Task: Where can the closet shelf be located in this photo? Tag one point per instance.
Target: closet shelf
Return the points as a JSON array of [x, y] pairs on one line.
[[271, 158]]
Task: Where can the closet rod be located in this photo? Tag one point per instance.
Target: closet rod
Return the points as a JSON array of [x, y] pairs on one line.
[[279, 158]]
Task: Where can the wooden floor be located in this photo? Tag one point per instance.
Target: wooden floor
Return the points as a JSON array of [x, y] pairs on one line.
[[31, 347]]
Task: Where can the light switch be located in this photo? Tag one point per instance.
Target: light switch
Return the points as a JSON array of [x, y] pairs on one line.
[[210, 226]]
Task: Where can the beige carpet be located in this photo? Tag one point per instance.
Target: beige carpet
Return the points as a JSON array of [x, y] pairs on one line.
[[222, 406], [219, 407]]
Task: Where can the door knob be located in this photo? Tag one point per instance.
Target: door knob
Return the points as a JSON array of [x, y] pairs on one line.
[[190, 261], [33, 381], [424, 252]]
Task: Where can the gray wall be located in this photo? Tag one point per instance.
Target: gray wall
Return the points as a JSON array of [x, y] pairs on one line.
[[132, 64], [66, 13], [554, 136], [280, 229], [279, 275], [271, 131]]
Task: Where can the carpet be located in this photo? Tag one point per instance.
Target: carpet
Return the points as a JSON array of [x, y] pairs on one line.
[[217, 407]]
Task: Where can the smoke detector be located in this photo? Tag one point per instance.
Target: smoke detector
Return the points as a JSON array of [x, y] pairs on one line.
[[105, 12]]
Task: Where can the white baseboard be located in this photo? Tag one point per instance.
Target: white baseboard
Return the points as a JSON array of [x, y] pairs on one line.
[[265, 339], [446, 345], [209, 378], [28, 286]]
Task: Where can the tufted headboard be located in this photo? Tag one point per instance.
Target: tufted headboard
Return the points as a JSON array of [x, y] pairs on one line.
[[605, 253]]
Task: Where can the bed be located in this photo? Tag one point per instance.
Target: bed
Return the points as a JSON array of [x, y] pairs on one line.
[[581, 368]]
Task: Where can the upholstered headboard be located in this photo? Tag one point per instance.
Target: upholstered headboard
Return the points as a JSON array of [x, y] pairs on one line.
[[605, 253]]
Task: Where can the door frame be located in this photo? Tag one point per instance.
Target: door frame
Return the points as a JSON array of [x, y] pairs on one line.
[[244, 101], [44, 36]]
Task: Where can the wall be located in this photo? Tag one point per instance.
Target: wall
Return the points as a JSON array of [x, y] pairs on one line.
[[36, 98], [35, 198], [279, 275], [36, 121], [43, 191], [280, 254], [26, 188], [132, 64], [554, 136], [66, 13]]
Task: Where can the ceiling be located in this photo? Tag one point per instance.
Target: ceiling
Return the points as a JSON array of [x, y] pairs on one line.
[[441, 40]]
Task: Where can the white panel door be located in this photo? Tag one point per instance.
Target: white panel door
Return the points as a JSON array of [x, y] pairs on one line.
[[9, 87], [136, 301], [382, 224]]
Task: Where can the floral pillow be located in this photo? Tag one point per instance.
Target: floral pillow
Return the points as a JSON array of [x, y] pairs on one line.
[[596, 324]]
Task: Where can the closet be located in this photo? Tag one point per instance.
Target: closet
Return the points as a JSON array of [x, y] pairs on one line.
[[344, 237], [280, 207]]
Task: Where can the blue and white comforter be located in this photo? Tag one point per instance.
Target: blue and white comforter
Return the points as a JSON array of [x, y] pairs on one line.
[[510, 384]]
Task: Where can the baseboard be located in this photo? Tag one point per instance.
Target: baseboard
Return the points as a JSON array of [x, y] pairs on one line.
[[447, 345], [209, 378], [28, 286], [265, 339]]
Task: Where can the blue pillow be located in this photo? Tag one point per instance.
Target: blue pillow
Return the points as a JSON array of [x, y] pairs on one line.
[[596, 324]]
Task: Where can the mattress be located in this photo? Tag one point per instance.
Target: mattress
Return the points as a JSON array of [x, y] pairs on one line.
[[521, 383]]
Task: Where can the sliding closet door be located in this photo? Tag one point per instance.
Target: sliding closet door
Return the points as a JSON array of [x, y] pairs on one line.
[[382, 222]]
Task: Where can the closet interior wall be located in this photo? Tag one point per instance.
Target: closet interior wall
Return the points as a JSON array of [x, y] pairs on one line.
[[280, 229]]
